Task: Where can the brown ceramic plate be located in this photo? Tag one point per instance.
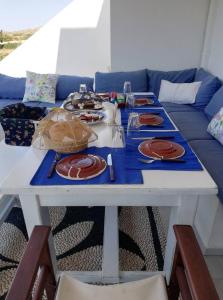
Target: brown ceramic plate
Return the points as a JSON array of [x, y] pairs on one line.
[[150, 119], [161, 149], [80, 166], [143, 101]]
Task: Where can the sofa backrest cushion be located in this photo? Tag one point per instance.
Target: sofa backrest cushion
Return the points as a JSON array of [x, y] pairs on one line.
[[12, 87], [67, 84], [155, 77], [40, 87], [179, 93], [215, 104], [215, 127], [209, 86], [114, 81]]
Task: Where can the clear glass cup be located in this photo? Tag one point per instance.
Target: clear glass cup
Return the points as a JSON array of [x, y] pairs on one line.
[[130, 100], [133, 123], [127, 88], [83, 88], [2, 133], [118, 136]]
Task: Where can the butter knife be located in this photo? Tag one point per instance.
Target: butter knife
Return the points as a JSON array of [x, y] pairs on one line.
[[111, 168], [53, 165], [152, 138]]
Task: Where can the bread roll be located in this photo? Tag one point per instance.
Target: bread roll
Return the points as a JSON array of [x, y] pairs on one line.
[[69, 131]]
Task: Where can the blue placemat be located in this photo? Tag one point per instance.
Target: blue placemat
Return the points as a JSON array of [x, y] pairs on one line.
[[132, 153], [166, 125], [123, 176], [153, 97]]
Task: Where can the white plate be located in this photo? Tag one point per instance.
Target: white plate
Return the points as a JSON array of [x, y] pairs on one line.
[[91, 112]]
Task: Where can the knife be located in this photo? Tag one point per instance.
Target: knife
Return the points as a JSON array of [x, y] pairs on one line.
[[151, 113], [140, 130], [111, 169], [152, 137], [53, 165]]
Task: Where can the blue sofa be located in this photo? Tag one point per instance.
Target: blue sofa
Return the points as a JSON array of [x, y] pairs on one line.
[[192, 120], [12, 89]]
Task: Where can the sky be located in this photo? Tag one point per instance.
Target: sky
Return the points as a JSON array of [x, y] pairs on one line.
[[26, 14]]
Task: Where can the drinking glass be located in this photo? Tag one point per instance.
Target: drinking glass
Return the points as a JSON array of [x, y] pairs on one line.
[[130, 100], [127, 89], [83, 88], [118, 136], [133, 123], [2, 133]]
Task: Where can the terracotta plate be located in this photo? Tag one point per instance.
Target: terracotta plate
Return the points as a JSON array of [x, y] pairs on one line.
[[161, 149], [143, 101], [150, 119], [80, 166]]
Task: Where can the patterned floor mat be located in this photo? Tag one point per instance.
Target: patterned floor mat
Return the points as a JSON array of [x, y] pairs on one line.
[[78, 237]]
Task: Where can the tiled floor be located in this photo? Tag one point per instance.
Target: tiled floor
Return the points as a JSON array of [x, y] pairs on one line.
[[214, 263], [215, 266]]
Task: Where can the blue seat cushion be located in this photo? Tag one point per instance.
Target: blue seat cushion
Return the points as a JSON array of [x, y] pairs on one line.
[[5, 102], [67, 84], [12, 87], [155, 77], [211, 155], [193, 125], [209, 86], [114, 81], [58, 103], [215, 104], [173, 107]]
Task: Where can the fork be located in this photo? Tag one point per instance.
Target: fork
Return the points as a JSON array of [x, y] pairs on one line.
[[150, 161]]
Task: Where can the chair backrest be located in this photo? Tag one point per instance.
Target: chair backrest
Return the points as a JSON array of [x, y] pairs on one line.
[[190, 276], [36, 259]]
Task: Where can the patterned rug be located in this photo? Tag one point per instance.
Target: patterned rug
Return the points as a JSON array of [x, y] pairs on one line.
[[78, 237]]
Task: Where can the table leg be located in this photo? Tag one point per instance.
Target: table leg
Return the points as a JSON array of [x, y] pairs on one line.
[[183, 214], [110, 263], [34, 215], [31, 211]]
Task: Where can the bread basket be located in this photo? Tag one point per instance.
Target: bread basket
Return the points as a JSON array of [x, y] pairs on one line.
[[62, 132]]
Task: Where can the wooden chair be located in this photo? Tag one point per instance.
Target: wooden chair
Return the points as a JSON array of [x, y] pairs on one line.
[[190, 276]]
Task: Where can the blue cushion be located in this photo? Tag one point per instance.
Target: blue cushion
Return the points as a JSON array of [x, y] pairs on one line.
[[109, 82], [50, 105], [67, 84], [209, 86], [5, 102], [155, 77], [12, 87], [215, 104], [193, 125], [211, 155], [173, 107]]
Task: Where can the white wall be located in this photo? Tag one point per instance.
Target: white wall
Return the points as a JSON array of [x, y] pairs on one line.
[[159, 34], [76, 41], [213, 51], [89, 35], [86, 50]]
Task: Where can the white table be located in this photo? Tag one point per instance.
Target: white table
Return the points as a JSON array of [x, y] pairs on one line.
[[179, 190], [9, 156]]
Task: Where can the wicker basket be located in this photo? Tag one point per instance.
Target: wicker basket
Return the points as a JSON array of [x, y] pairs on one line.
[[62, 132]]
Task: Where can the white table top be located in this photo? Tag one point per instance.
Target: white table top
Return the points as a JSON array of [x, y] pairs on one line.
[[155, 182]]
